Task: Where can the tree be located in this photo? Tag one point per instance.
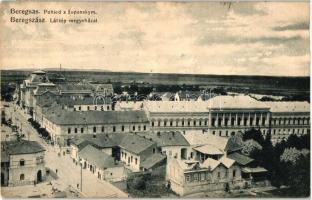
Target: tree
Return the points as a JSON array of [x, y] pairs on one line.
[[254, 135], [250, 147], [291, 155]]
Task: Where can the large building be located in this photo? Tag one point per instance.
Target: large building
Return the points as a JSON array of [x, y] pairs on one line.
[[22, 163], [228, 115], [63, 124]]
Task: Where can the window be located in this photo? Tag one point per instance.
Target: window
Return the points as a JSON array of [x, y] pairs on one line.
[[102, 129], [107, 107], [191, 154], [22, 162], [139, 127], [75, 130], [187, 178], [219, 174], [88, 107], [114, 128], [152, 123], [136, 161], [144, 127], [189, 123], [133, 128], [195, 177], [213, 132], [81, 130], [165, 123], [182, 122], [95, 107], [94, 129], [68, 130], [220, 133], [122, 128], [22, 177], [170, 123], [234, 173], [79, 108], [194, 122], [154, 150], [131, 158], [102, 108]]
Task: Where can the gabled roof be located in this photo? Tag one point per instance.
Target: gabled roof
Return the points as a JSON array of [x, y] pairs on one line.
[[22, 147], [254, 170], [240, 159], [97, 157], [210, 163], [227, 162], [168, 138], [153, 160], [104, 140], [232, 145], [135, 143]]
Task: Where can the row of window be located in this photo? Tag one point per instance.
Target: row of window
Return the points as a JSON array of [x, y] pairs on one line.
[[130, 158], [69, 130], [214, 122], [95, 108], [288, 131], [207, 176], [292, 121], [170, 123]]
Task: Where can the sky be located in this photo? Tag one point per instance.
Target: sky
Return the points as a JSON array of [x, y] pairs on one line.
[[245, 38]]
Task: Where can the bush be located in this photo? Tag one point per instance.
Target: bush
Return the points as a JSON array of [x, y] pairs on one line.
[[139, 183]]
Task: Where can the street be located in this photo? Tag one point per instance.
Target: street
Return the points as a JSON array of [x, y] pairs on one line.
[[68, 173]]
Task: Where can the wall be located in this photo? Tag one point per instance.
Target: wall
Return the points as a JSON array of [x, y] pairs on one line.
[[30, 169]]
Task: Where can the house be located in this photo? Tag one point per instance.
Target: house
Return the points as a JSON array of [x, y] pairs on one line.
[[170, 143], [135, 149], [104, 166], [191, 176], [22, 163]]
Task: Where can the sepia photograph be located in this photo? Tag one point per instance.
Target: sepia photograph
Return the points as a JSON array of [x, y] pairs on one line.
[[155, 99]]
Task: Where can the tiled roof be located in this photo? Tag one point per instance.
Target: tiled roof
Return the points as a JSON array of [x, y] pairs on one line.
[[210, 163], [97, 157], [232, 145], [232, 102], [228, 162], [254, 170], [209, 150], [176, 106], [169, 138], [240, 159], [291, 106], [66, 117], [196, 138], [22, 147], [104, 140], [135, 143], [153, 160]]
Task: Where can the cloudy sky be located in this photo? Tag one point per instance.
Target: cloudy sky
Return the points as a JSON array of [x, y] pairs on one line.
[[203, 38]]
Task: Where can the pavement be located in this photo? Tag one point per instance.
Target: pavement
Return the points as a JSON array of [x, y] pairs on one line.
[[69, 174]]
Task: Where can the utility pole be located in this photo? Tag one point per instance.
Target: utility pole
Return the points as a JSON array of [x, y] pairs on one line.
[[80, 177]]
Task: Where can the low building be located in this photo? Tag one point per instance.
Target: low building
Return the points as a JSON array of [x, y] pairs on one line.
[[102, 165], [191, 176], [134, 150], [22, 163], [170, 143]]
